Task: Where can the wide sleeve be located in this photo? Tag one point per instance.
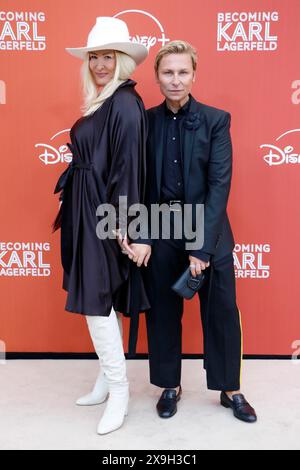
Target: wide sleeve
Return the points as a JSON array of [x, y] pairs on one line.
[[127, 134]]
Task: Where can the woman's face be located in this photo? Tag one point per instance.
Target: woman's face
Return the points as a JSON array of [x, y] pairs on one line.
[[102, 66]]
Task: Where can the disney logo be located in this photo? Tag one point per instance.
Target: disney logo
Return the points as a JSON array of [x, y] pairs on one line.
[[277, 156], [148, 41], [51, 155]]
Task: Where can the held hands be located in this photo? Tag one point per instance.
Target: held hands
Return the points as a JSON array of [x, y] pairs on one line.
[[197, 265], [141, 255], [138, 253]]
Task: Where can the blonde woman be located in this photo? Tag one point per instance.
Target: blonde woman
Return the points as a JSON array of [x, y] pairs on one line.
[[108, 147]]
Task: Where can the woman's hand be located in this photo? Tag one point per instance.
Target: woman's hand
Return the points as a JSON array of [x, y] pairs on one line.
[[138, 253], [123, 243]]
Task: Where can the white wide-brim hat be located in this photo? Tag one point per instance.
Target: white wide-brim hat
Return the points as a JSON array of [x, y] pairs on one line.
[[111, 34]]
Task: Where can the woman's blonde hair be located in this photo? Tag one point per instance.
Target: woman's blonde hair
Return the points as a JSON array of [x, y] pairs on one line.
[[176, 47], [125, 66]]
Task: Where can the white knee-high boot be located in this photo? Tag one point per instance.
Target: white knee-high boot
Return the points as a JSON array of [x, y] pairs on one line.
[[106, 337], [99, 394]]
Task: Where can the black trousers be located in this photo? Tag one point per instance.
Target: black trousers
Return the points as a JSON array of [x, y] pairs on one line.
[[220, 319]]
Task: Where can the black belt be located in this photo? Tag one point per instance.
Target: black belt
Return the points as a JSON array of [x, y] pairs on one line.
[[175, 205], [75, 164]]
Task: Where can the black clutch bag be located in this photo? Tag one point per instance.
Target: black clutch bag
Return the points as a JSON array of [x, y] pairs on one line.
[[187, 285]]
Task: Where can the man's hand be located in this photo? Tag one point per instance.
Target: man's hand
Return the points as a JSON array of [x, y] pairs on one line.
[[197, 265], [142, 253]]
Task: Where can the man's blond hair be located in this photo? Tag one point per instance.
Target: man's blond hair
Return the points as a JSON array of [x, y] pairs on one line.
[[176, 47]]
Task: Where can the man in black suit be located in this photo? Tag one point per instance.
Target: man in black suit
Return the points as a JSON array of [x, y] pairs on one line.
[[189, 161]]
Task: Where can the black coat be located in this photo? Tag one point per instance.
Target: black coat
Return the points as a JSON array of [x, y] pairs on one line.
[[108, 161], [207, 167]]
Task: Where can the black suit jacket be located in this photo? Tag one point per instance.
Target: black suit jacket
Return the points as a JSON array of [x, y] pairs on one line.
[[207, 168]]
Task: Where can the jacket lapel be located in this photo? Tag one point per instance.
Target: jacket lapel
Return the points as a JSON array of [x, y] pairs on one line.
[[187, 138], [187, 145]]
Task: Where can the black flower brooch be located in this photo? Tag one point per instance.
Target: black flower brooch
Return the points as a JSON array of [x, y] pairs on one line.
[[192, 121]]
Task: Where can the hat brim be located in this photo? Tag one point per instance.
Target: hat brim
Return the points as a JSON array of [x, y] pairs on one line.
[[137, 51]]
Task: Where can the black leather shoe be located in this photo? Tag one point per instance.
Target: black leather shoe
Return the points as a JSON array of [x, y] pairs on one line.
[[167, 404], [241, 408]]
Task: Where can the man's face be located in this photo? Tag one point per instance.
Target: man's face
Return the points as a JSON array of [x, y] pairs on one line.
[[176, 76]]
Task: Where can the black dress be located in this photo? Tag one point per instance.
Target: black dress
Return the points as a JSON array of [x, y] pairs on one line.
[[109, 161]]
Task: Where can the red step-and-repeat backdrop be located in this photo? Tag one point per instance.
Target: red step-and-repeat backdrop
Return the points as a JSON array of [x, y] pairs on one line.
[[248, 65]]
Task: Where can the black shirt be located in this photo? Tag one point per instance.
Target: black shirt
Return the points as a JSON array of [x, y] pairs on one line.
[[172, 171]]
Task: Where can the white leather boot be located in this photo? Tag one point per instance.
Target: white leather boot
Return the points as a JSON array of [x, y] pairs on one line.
[[99, 394], [107, 341]]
